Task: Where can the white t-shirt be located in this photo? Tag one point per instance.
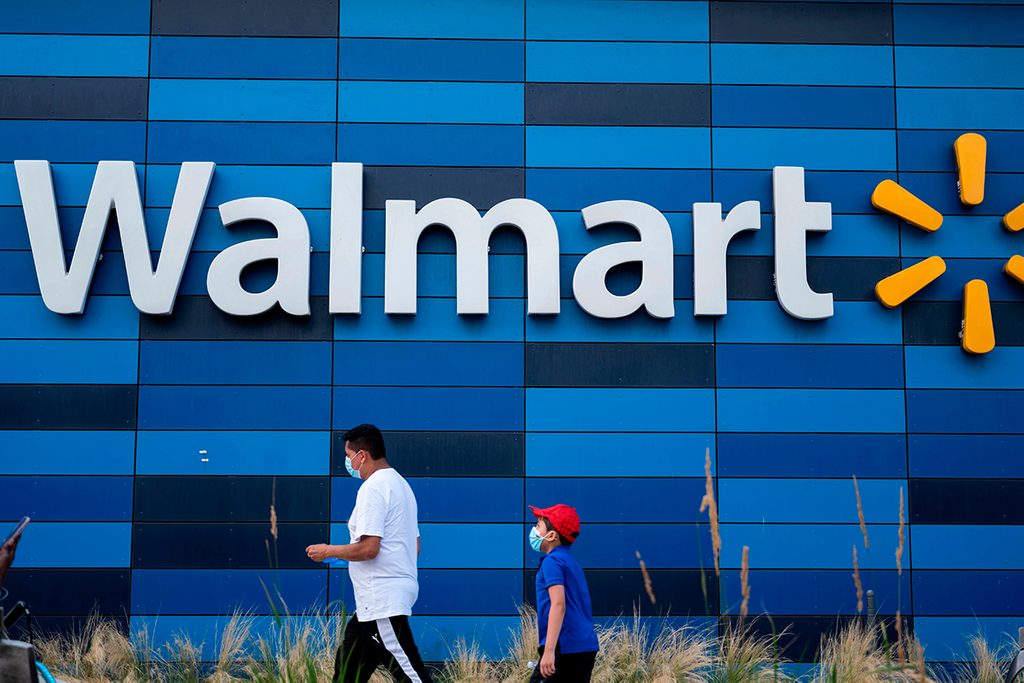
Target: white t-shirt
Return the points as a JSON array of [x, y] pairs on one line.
[[385, 586]]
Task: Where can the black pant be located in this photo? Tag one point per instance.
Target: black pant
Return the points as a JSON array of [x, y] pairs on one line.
[[571, 668], [369, 644]]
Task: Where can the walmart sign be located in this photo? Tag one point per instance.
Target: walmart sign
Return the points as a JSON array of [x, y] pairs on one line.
[[153, 289]]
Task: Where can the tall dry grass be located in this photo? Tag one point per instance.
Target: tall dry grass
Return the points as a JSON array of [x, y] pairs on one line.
[[857, 654], [630, 653]]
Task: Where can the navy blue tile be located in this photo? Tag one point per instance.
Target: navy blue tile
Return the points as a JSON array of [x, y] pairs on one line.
[[231, 499], [225, 546], [801, 22], [812, 455], [619, 365], [817, 366], [446, 454], [966, 501], [245, 18], [68, 407]]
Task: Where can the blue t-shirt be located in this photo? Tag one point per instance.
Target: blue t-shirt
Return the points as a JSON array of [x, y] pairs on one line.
[[560, 568]]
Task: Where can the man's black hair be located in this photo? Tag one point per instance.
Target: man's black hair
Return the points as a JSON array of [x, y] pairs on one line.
[[366, 438], [551, 527]]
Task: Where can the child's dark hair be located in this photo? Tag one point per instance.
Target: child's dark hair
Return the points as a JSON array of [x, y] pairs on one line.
[[564, 540], [366, 438]]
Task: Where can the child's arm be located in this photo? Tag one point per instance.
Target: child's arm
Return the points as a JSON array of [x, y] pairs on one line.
[[555, 617]]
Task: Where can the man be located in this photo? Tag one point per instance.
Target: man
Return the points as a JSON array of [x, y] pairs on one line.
[[385, 541], [7, 551]]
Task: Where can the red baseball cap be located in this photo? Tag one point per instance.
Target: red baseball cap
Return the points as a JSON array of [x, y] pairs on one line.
[[564, 518]]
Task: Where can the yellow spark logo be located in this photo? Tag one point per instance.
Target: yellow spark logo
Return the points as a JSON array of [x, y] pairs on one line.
[[977, 335]]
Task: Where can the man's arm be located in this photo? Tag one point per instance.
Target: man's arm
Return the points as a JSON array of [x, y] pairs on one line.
[[7, 555], [555, 618], [417, 545], [366, 548]]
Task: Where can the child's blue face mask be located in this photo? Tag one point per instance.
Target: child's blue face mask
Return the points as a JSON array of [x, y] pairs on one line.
[[535, 540]]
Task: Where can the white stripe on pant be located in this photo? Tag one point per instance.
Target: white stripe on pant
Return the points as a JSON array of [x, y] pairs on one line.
[[390, 640]]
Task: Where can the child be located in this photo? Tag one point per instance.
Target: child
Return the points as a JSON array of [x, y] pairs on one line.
[[565, 621]]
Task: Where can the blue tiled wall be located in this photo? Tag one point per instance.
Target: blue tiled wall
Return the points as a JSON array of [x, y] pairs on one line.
[[568, 102]]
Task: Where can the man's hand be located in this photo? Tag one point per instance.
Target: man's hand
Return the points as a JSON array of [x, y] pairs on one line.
[[318, 552], [547, 664], [7, 555]]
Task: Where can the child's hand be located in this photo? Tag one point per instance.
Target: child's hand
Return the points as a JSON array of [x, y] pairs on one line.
[[547, 664]]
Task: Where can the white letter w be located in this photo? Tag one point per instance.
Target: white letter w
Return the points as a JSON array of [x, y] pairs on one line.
[[116, 188]]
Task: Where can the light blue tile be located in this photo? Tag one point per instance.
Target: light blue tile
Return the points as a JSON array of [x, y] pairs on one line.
[[820, 150], [413, 19], [963, 67], [948, 367], [811, 410], [412, 102], [105, 317], [612, 410], [234, 453], [808, 500], [961, 109], [602, 455], [813, 546], [50, 55], [801, 64], [67, 452], [69, 362], [616, 20], [75, 544], [617, 147], [617, 62], [241, 100], [968, 546]]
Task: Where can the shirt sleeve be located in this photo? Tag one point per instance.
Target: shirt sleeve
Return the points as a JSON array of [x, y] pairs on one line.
[[370, 512], [552, 572]]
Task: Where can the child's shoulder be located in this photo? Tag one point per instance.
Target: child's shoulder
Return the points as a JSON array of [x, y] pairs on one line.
[[562, 556]]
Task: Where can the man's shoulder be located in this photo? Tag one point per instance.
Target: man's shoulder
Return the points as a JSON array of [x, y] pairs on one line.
[[385, 483], [387, 478]]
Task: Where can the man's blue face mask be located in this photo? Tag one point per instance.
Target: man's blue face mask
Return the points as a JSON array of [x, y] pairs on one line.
[[352, 470]]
